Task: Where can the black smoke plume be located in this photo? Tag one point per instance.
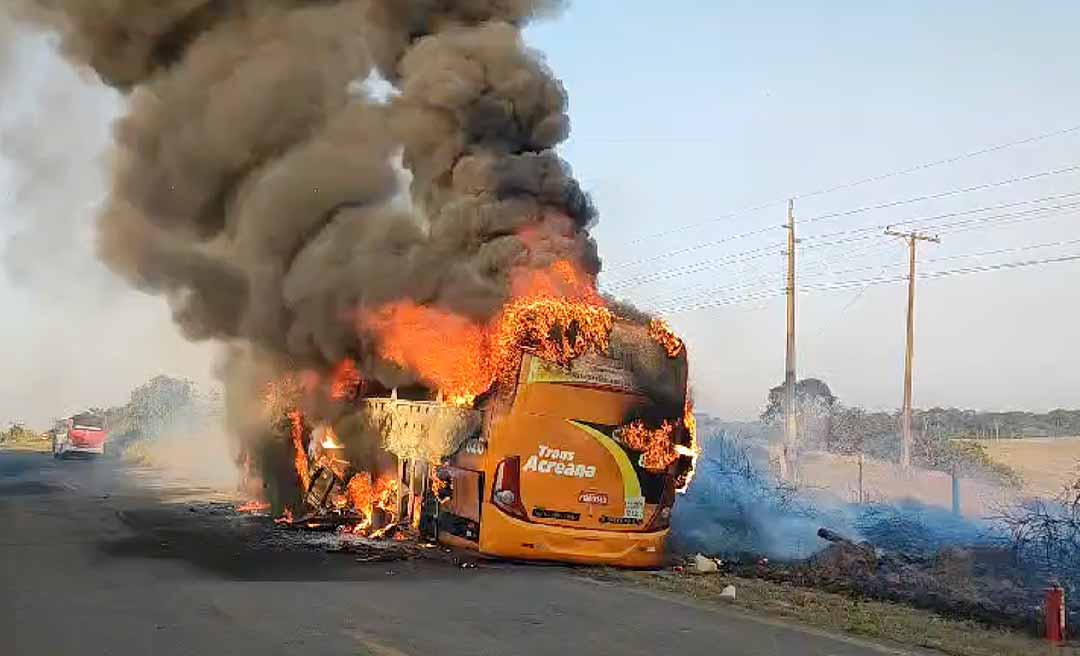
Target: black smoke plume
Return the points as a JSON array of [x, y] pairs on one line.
[[260, 190]]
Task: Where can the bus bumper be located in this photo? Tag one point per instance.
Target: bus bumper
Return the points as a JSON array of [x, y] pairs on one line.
[[507, 537], [98, 450]]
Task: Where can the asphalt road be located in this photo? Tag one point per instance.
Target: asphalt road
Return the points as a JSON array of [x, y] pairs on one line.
[[95, 562]]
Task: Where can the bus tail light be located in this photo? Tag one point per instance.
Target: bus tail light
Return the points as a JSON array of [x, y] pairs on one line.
[[506, 489]]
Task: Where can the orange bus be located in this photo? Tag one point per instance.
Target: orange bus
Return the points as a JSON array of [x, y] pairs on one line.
[[576, 464]]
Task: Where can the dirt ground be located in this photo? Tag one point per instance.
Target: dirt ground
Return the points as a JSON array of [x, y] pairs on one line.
[[35, 445], [1045, 464], [872, 619], [885, 481]]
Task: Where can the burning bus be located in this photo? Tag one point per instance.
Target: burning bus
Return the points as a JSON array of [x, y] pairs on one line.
[[469, 285], [561, 431], [577, 462]]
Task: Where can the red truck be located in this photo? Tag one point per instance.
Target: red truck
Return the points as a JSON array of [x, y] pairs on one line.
[[83, 433]]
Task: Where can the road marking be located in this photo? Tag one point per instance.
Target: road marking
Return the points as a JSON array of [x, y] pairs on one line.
[[372, 647]]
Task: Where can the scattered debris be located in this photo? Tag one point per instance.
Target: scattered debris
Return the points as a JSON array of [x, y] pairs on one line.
[[985, 584], [703, 565]]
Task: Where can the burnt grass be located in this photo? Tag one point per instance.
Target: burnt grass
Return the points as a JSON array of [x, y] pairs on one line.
[[983, 584]]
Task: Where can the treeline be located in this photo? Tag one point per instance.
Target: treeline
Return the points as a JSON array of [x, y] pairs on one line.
[[940, 434], [17, 432], [999, 425], [160, 406]]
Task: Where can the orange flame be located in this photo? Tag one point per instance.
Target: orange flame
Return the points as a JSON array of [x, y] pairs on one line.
[[300, 459], [438, 485], [330, 439], [556, 313], [286, 517], [253, 507], [365, 497], [655, 444], [386, 495], [345, 385], [447, 350], [694, 450], [662, 333]]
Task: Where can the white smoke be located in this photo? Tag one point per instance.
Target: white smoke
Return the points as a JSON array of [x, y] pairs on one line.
[[74, 336]]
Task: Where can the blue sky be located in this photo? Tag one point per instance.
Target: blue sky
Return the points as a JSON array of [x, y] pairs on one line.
[[685, 113]]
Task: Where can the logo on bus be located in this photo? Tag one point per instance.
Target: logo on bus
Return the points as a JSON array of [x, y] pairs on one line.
[[558, 463], [593, 498]]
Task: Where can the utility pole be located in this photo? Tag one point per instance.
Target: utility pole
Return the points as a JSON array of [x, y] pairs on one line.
[[906, 443], [788, 461]]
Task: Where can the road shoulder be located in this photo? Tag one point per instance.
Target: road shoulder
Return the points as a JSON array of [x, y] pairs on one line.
[[837, 616]]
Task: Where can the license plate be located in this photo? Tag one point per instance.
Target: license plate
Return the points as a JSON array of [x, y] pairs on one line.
[[635, 508]]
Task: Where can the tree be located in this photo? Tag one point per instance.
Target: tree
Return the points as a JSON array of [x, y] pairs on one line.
[[871, 433], [815, 407], [159, 405], [17, 432]]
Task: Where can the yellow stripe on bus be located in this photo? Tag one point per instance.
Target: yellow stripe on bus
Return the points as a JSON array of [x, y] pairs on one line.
[[631, 484]]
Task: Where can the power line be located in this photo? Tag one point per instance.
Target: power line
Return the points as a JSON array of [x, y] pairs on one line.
[[745, 286], [699, 290], [930, 275], [850, 284], [944, 194], [1000, 251], [948, 215], [690, 249], [851, 212], [863, 181], [947, 160], [863, 234], [665, 274]]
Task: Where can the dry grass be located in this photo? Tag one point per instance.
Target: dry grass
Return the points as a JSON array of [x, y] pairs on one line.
[[142, 454], [31, 445], [887, 482], [1046, 464], [868, 619]]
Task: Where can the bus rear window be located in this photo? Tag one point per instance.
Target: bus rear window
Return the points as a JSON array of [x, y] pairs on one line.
[[92, 422]]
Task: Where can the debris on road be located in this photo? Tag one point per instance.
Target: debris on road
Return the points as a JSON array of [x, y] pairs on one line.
[[703, 565]]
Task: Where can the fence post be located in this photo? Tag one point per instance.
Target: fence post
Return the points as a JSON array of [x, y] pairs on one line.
[[862, 497], [955, 490]]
